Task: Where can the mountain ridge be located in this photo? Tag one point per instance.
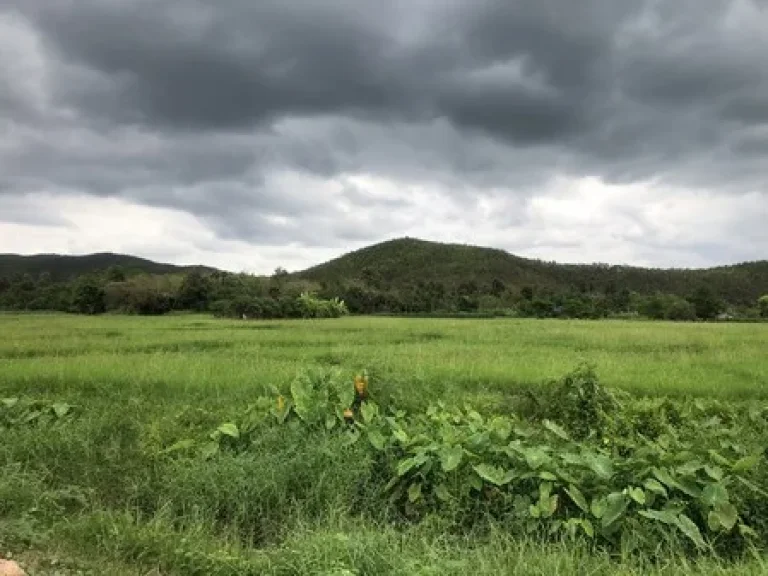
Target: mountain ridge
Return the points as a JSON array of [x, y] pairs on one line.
[[64, 266], [401, 262], [413, 261]]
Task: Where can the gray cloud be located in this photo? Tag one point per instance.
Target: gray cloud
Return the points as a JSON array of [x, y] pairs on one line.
[[253, 116]]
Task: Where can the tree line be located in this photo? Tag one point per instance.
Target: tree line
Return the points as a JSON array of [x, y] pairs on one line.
[[283, 295]]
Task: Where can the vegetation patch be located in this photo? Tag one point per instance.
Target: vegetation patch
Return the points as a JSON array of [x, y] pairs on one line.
[[468, 454]]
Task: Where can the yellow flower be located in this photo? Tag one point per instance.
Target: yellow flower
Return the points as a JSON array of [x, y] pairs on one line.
[[361, 385], [280, 403], [348, 414]]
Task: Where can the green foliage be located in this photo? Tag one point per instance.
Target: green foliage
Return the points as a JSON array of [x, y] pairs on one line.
[[88, 298], [596, 477], [160, 467], [16, 412], [706, 304], [396, 277], [762, 304], [313, 307], [581, 403]]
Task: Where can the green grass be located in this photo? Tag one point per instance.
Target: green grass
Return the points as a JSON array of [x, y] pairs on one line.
[[92, 493]]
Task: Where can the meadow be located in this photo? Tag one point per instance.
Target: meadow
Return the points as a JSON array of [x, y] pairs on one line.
[[100, 470]]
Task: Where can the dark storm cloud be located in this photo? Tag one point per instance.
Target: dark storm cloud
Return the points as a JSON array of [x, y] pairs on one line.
[[205, 106]]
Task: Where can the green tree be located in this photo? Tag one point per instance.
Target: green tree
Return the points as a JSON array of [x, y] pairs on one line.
[[527, 293], [194, 293], [706, 303], [762, 305], [653, 307], [679, 309], [497, 287], [88, 297], [115, 274]]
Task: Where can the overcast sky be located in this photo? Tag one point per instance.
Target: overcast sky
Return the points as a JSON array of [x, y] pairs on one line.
[[250, 134]]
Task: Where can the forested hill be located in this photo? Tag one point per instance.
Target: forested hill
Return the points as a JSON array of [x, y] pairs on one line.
[[395, 264], [403, 276], [60, 267]]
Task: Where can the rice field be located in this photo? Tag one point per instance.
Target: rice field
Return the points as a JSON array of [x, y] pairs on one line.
[[95, 494]]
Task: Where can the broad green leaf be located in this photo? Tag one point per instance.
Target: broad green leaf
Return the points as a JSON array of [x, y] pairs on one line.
[[598, 507], [616, 505], [723, 516], [9, 402], [637, 495], [549, 506], [535, 457], [572, 458], [442, 493], [545, 489], [547, 503], [414, 492], [662, 516], [714, 472], [345, 393], [600, 465], [578, 498], [589, 530], [501, 427], [664, 477], [301, 392], [746, 463], [185, 444], [524, 430], [690, 529], [714, 494], [377, 439], [653, 485], [746, 531], [209, 449], [685, 485], [330, 421], [689, 486], [493, 474], [718, 459], [556, 429], [369, 411], [400, 435], [546, 475], [393, 482], [405, 466], [229, 429], [450, 457], [61, 409], [689, 468]]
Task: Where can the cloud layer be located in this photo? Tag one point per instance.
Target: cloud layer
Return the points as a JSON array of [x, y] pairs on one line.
[[282, 130]]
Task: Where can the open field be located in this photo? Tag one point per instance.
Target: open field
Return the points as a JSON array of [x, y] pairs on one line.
[[95, 487]]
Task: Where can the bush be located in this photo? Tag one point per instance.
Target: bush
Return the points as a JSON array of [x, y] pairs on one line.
[[679, 309]]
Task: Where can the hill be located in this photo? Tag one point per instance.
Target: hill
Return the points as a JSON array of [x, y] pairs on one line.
[[396, 264], [65, 267]]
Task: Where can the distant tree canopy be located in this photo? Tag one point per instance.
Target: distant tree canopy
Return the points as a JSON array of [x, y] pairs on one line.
[[398, 277], [762, 304]]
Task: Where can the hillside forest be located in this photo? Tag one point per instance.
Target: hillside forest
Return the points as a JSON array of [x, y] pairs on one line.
[[399, 277]]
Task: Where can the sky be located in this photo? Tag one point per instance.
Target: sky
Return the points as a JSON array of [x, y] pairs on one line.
[[249, 135]]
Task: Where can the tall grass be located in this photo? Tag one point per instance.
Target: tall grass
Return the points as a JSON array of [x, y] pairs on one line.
[[94, 491]]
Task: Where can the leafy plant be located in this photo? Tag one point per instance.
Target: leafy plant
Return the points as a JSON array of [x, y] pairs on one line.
[[16, 412], [592, 475]]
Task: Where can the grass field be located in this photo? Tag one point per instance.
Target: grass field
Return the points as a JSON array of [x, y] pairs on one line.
[[96, 493]]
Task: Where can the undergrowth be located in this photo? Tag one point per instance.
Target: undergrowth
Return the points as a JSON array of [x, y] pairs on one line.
[[205, 490]]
